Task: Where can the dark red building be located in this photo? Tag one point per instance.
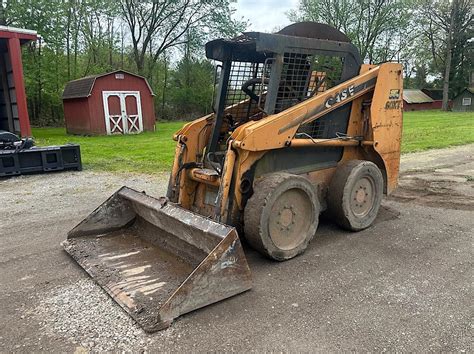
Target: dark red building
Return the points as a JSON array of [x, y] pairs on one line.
[[417, 100], [113, 103], [13, 109]]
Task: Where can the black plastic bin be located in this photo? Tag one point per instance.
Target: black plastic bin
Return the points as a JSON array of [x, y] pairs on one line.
[[40, 159]]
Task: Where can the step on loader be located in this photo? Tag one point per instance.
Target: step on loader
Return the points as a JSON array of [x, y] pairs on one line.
[[300, 126]]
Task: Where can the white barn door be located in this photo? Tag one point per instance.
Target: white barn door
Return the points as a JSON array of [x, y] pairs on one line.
[[125, 116]]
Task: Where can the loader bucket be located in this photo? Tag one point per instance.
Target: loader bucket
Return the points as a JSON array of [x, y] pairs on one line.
[[157, 260]]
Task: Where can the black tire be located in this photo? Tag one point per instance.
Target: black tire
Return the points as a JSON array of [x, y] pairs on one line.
[[282, 216], [355, 194]]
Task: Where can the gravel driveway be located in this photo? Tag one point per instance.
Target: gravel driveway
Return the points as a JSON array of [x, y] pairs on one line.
[[405, 284]]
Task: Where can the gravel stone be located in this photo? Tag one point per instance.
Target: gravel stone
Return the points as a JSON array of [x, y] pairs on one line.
[[84, 314]]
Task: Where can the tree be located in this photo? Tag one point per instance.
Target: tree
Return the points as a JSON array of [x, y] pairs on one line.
[[444, 32], [449, 47], [379, 28], [158, 25], [83, 37], [191, 87]]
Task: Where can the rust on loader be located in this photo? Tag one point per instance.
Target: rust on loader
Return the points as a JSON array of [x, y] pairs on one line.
[[157, 260]]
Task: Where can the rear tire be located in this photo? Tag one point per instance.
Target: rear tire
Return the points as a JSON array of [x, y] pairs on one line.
[[281, 217], [355, 194]]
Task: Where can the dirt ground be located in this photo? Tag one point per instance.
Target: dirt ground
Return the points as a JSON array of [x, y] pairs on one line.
[[404, 284]]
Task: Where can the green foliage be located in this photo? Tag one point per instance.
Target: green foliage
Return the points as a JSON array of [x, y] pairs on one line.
[[430, 47], [378, 28], [157, 26], [191, 88], [84, 37]]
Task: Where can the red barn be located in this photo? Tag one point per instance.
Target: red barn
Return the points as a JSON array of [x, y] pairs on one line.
[[13, 109], [113, 103], [417, 100]]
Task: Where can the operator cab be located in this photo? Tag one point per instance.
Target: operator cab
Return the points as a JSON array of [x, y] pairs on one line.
[[261, 74]]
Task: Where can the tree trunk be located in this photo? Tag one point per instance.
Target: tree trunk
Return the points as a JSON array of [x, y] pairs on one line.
[[40, 80], [122, 47], [3, 16], [447, 69], [111, 43], [68, 39], [165, 83]]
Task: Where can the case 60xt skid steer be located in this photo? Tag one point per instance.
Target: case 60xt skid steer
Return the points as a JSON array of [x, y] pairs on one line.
[[300, 126]]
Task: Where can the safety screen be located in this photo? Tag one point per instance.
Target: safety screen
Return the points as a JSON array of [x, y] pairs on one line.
[[246, 87], [296, 82], [304, 76]]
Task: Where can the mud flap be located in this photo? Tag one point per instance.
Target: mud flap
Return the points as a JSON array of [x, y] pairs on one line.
[[156, 259]]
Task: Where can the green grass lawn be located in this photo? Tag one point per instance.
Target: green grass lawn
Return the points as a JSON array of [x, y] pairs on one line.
[[147, 152], [425, 130], [154, 152]]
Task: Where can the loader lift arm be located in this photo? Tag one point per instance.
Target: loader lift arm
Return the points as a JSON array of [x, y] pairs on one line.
[[280, 129]]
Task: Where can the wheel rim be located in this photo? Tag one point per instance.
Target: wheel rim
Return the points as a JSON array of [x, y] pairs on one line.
[[291, 217], [363, 196]]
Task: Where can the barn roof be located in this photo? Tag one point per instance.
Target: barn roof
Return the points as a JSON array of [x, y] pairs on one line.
[[23, 34], [82, 88], [416, 96], [435, 94], [468, 89]]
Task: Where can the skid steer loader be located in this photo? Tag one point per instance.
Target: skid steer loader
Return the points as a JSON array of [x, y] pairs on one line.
[[300, 126]]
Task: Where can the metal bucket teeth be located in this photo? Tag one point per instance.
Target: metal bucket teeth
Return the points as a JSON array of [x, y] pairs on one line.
[[157, 260]]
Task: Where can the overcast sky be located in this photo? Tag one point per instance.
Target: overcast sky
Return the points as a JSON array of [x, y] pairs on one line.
[[264, 15]]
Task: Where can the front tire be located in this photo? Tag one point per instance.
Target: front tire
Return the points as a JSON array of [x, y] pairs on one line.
[[282, 216], [355, 194]]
